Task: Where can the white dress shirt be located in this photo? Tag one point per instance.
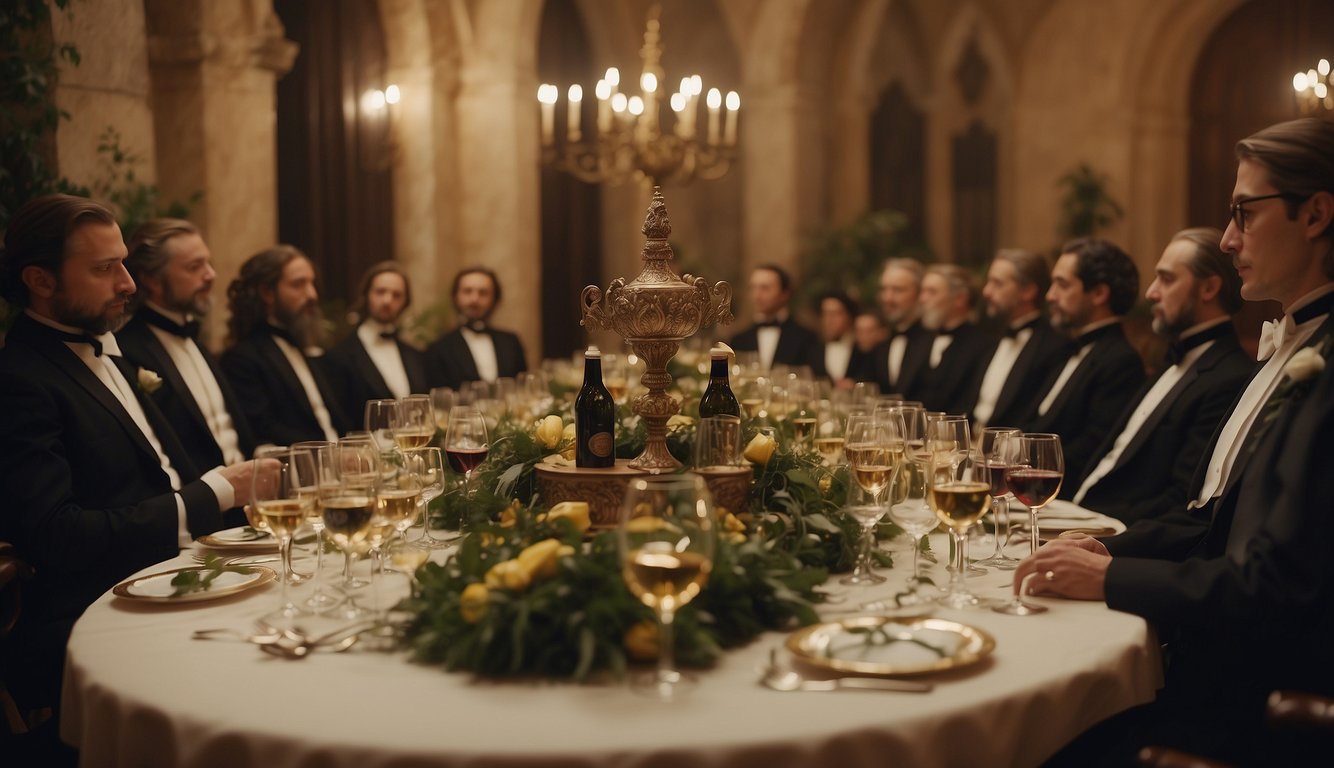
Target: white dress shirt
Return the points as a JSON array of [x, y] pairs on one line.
[[106, 372], [1147, 405], [384, 353], [837, 355], [297, 359], [1072, 365], [998, 370], [483, 350], [1252, 401], [202, 385]]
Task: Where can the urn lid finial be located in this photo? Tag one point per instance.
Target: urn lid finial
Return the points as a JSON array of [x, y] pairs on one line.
[[656, 224]]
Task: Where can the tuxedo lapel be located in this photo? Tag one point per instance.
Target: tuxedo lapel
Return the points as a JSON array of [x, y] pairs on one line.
[[278, 362], [1155, 418], [463, 355], [414, 366], [167, 369], [361, 360]]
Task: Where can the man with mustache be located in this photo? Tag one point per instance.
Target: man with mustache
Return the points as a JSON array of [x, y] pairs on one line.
[[275, 323], [96, 484], [1145, 465], [475, 350], [172, 267], [959, 347]]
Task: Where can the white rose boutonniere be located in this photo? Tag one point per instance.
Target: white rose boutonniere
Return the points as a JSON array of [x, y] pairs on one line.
[[1305, 364], [149, 381]]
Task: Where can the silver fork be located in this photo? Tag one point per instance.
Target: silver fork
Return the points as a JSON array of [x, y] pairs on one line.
[[201, 558]]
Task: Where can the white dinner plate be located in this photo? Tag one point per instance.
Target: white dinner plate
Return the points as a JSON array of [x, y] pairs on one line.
[[878, 645], [1060, 517], [157, 587]]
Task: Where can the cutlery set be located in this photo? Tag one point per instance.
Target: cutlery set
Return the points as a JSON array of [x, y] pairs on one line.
[[292, 643]]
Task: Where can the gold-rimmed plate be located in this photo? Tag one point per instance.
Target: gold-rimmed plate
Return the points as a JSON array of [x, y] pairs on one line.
[[880, 645], [157, 587], [243, 537]]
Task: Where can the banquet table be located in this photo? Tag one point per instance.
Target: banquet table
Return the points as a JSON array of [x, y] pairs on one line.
[[140, 692]]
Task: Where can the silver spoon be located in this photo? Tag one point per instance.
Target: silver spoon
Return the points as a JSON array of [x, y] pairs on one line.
[[782, 678], [302, 649]]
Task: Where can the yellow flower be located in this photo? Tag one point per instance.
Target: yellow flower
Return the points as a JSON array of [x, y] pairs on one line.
[[510, 515], [509, 575], [474, 601], [760, 448], [641, 641], [549, 431], [729, 521], [540, 559], [574, 511], [568, 436]]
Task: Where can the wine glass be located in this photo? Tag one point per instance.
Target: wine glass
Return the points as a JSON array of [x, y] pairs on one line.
[[666, 539], [1000, 448], [276, 501], [874, 448], [909, 510], [443, 399], [802, 400], [429, 467], [310, 463], [381, 419], [415, 423], [959, 491], [830, 436], [717, 442], [1035, 477], [347, 504], [466, 443], [755, 396]]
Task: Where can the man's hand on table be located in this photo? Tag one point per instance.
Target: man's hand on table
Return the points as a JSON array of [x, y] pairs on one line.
[[1074, 568]]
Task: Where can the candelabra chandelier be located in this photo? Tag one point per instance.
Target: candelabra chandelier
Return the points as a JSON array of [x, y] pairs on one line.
[[628, 141], [1313, 88]]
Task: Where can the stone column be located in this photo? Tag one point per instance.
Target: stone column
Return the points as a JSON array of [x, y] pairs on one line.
[[214, 67], [770, 137]]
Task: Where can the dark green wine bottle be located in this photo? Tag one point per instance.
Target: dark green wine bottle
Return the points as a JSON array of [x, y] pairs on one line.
[[718, 399], [594, 417]]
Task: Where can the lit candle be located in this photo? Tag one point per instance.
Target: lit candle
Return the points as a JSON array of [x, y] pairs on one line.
[[733, 106], [603, 92], [547, 93], [715, 101], [679, 107], [574, 107], [613, 78]]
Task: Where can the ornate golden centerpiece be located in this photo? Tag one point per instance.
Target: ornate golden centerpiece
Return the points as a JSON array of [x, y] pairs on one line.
[[654, 312]]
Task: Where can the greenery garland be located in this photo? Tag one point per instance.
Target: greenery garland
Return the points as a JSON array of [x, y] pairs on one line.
[[526, 595]]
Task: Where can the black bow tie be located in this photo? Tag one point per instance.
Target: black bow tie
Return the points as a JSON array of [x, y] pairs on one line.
[[156, 319], [1177, 351], [768, 324], [283, 334], [945, 333], [476, 326], [1012, 332], [80, 338], [1095, 334], [1320, 306], [389, 335]]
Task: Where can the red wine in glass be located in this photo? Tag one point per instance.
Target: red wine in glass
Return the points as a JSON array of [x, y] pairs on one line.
[[999, 485], [1033, 487], [465, 460]]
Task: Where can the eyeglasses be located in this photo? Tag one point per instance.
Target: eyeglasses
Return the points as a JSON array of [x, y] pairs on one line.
[[1239, 213]]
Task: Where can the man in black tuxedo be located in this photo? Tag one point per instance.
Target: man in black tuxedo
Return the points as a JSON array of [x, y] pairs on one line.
[[776, 335], [1093, 284], [373, 363], [1145, 465], [901, 362], [474, 351], [275, 324], [1008, 384], [96, 484], [1241, 583], [172, 268], [844, 362], [959, 347]]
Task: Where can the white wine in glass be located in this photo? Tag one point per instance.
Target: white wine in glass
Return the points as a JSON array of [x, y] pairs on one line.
[[666, 542], [415, 426], [959, 492]]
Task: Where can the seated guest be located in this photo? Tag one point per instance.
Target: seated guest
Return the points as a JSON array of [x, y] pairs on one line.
[[373, 363], [844, 362], [959, 346], [1021, 360], [1093, 284], [779, 338], [869, 332], [1240, 584], [172, 268], [96, 484], [901, 363], [1146, 464], [275, 320], [474, 351]]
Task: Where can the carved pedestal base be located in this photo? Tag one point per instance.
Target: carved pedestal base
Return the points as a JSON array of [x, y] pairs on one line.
[[729, 486], [604, 489]]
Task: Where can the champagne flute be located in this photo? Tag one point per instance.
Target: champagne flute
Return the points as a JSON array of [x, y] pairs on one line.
[[1000, 448], [310, 465], [959, 493], [1035, 478], [415, 425], [348, 506], [429, 467], [666, 540], [276, 501], [466, 443], [381, 418], [874, 449]]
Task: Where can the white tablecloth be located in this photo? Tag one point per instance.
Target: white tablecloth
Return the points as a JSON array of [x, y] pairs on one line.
[[139, 692]]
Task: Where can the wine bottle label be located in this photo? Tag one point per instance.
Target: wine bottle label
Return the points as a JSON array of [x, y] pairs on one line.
[[601, 444]]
